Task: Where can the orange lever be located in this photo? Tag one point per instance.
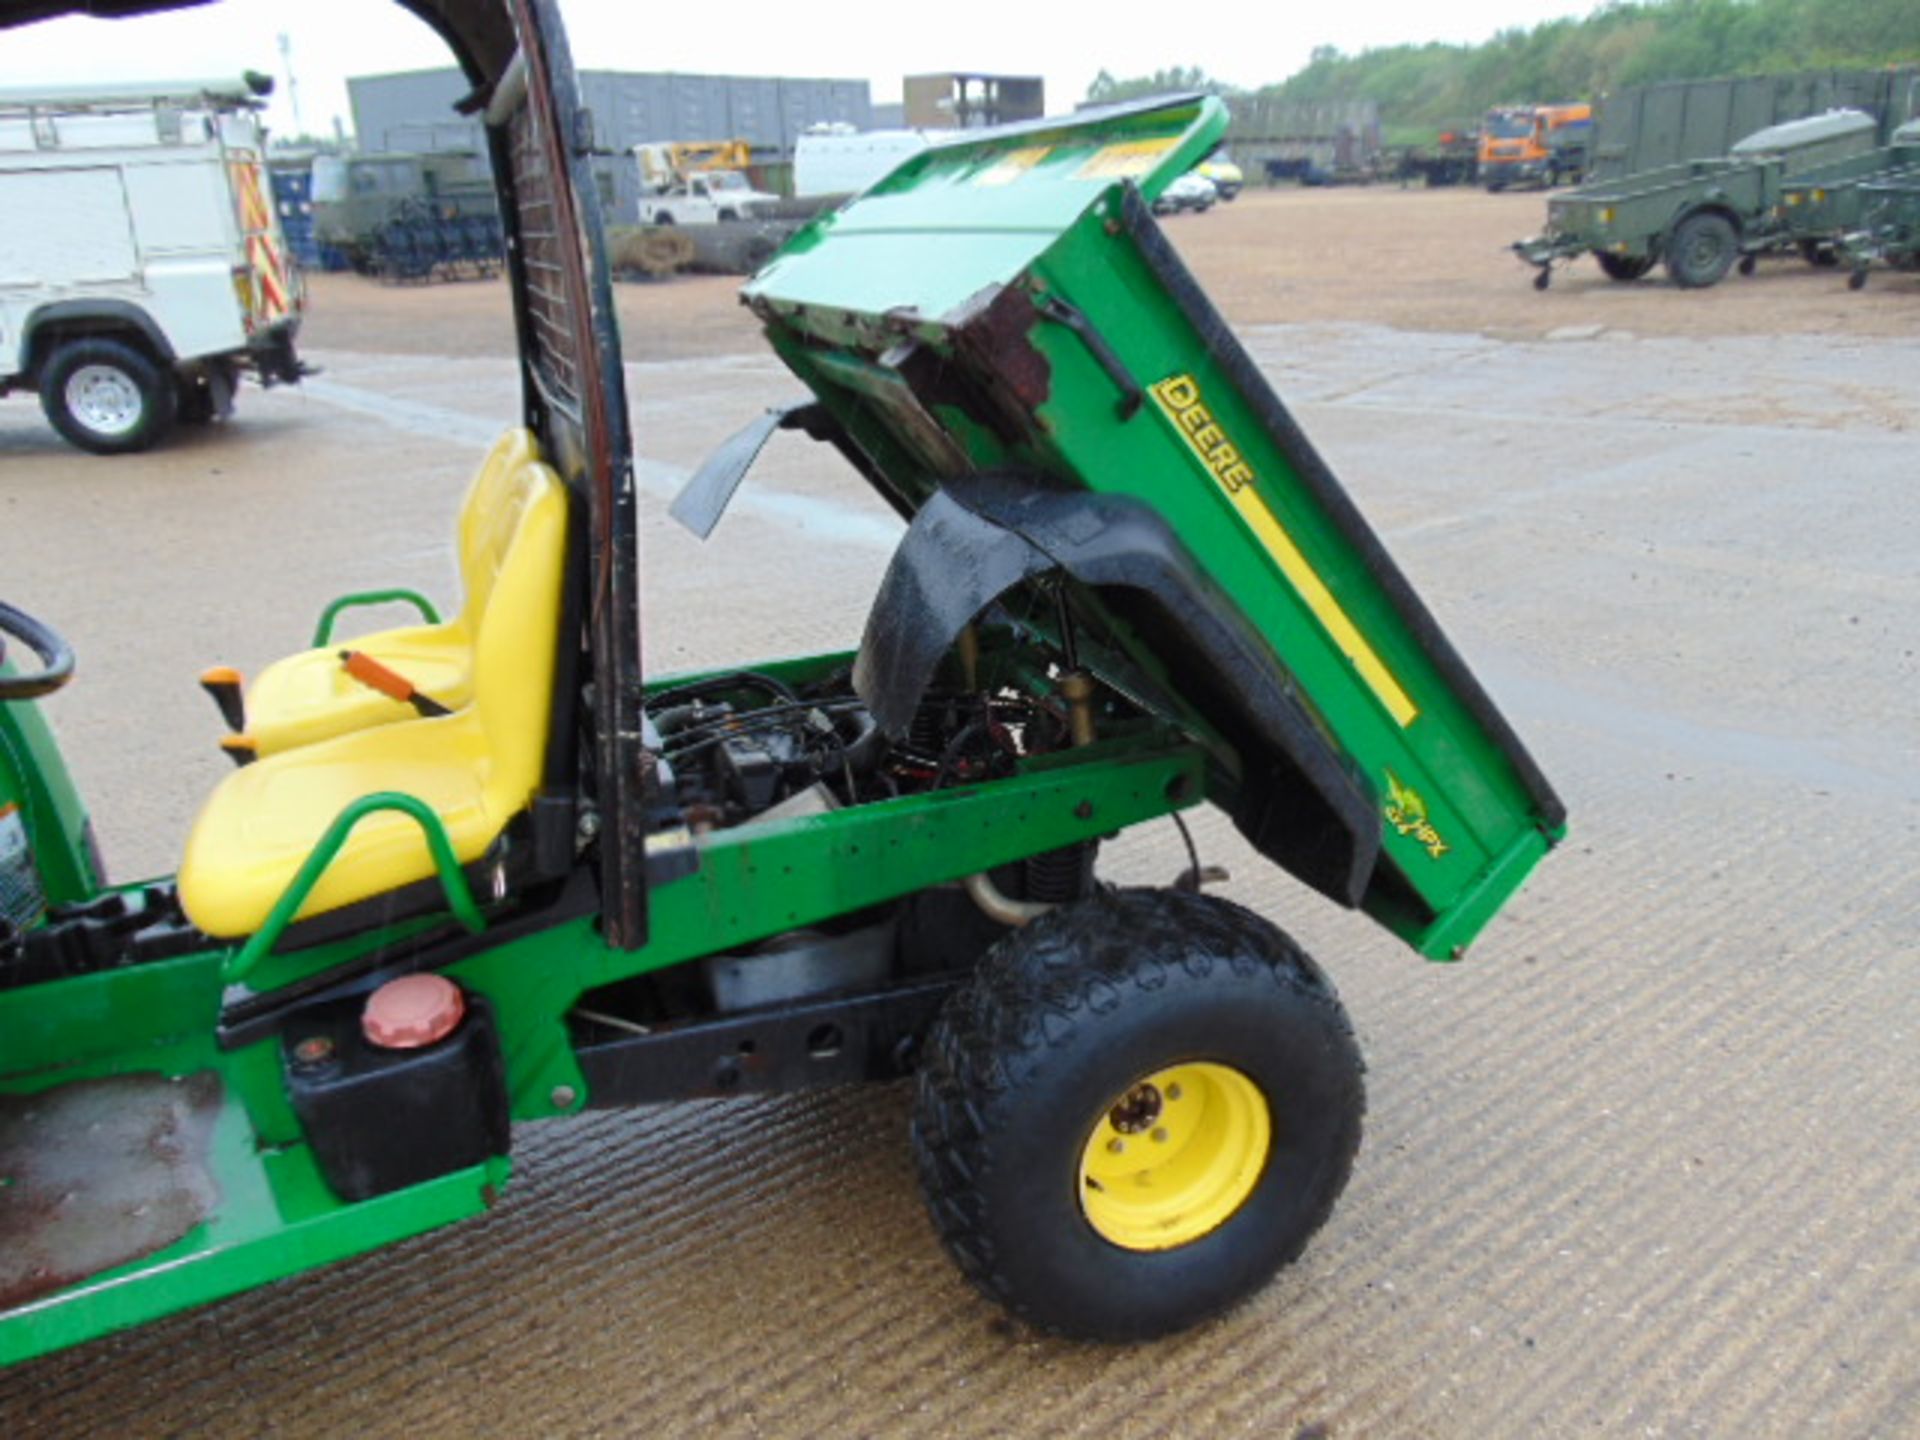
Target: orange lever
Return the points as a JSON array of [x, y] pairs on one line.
[[223, 683], [375, 676]]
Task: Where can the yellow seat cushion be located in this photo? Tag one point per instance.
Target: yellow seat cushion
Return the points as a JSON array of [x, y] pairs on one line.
[[263, 820], [308, 697], [477, 768]]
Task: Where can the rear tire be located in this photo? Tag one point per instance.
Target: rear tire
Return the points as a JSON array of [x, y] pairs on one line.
[[1138, 1109], [1701, 250], [106, 396], [1623, 267]]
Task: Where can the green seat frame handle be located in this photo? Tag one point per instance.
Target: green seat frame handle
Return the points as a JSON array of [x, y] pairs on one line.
[[323, 632], [446, 865]]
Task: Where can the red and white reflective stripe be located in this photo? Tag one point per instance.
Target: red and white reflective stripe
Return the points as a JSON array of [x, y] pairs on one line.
[[263, 253], [267, 266]]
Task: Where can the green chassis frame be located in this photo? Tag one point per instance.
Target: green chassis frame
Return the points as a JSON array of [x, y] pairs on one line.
[[277, 1215]]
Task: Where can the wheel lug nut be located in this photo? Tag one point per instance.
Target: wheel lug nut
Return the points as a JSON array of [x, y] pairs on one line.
[[1160, 1133], [1173, 1092], [1116, 1146]]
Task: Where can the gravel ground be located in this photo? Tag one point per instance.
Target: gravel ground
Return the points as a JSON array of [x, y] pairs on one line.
[[1645, 1164], [1414, 259]]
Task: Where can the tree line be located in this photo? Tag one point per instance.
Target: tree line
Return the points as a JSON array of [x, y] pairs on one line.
[[1618, 45]]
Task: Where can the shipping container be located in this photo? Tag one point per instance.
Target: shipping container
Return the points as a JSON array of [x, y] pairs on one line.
[[415, 110]]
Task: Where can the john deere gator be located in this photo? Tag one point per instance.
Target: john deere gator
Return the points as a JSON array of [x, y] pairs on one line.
[[487, 869]]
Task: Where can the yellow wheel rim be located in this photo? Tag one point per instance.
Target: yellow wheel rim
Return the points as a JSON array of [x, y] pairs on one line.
[[1175, 1156]]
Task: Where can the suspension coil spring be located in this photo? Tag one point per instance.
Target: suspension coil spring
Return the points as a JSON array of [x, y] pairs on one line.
[[1056, 877]]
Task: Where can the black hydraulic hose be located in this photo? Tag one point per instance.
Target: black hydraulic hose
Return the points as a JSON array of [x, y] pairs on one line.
[[951, 755], [743, 679], [696, 738], [860, 751]]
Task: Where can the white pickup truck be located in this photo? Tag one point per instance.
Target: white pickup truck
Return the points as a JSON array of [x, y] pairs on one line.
[[705, 198], [142, 267]]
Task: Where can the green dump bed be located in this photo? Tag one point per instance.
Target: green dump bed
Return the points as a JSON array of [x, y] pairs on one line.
[[1006, 304]]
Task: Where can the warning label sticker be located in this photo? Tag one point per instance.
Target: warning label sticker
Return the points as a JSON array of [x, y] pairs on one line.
[[1125, 160], [21, 900], [1011, 166]]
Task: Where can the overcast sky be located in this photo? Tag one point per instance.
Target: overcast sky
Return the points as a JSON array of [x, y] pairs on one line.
[[876, 40]]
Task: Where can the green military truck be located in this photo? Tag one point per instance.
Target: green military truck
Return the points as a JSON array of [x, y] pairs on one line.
[[1698, 217], [1828, 203]]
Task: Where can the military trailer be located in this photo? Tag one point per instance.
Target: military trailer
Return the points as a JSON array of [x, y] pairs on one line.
[[1647, 127], [1827, 204], [1889, 227], [1698, 217], [407, 217]]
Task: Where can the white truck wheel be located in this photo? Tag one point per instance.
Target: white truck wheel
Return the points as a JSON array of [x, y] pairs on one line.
[[106, 396]]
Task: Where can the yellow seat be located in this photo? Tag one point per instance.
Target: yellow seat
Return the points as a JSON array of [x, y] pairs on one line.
[[477, 768], [308, 697]]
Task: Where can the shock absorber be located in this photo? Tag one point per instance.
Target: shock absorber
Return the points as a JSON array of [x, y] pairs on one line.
[[1058, 876], [1055, 877]]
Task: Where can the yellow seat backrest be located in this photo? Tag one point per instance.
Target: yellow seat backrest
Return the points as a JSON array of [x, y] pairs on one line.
[[481, 535], [305, 698], [519, 564]]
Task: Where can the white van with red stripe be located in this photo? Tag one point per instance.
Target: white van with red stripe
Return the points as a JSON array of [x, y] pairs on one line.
[[142, 267]]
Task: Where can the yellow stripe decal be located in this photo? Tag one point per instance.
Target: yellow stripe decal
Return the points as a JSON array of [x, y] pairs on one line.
[[1179, 399]]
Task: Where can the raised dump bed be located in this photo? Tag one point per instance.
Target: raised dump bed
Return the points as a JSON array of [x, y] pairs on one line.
[[1699, 217], [1003, 331]]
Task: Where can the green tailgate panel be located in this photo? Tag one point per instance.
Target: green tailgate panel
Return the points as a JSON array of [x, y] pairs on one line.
[[1005, 302]]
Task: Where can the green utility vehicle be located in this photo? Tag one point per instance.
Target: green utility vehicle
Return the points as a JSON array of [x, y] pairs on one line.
[[1889, 230], [482, 870], [1698, 217], [1826, 204]]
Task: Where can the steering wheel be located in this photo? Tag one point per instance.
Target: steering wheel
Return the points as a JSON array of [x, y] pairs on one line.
[[56, 656]]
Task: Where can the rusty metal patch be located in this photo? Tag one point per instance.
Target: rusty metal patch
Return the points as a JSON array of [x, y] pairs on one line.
[[99, 1173]]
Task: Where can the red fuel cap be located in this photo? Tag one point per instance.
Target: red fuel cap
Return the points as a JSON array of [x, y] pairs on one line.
[[411, 1012]]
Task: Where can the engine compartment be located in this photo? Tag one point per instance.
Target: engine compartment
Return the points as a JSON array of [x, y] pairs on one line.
[[746, 746]]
